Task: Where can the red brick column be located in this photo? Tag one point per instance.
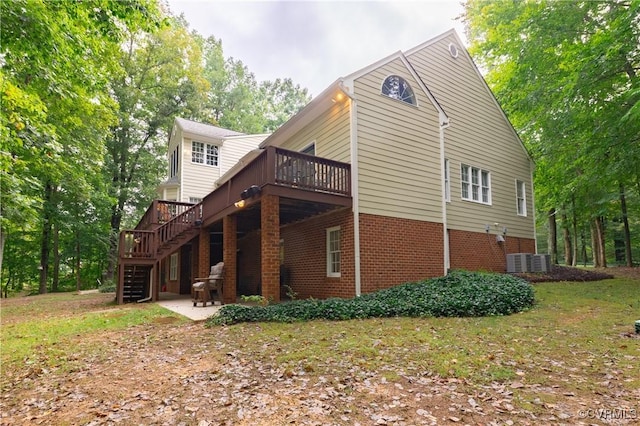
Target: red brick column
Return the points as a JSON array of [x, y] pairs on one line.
[[270, 246], [203, 253], [229, 253]]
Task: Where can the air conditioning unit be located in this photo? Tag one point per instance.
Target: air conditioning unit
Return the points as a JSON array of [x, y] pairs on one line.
[[519, 262], [541, 263]]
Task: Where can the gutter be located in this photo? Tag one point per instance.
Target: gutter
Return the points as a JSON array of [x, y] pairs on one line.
[[355, 200]]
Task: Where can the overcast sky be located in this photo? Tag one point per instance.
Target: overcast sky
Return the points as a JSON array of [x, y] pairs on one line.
[[316, 42]]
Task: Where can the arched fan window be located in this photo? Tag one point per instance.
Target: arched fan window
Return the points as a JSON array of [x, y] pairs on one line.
[[397, 87]]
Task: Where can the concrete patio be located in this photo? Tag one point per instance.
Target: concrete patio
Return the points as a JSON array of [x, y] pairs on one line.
[[183, 305]]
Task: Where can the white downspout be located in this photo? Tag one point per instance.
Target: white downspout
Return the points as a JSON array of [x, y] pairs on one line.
[[353, 151], [150, 297], [444, 123]]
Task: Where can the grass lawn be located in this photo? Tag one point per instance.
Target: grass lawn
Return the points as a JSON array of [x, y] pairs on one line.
[[573, 359]]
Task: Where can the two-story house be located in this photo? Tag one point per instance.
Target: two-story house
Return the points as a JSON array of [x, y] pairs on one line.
[[397, 172]]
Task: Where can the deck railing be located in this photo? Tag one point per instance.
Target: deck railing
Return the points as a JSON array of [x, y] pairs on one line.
[[185, 221], [161, 211], [305, 171], [137, 244]]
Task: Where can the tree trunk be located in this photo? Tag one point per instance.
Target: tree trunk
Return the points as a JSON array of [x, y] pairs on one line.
[[594, 244], [574, 228], [599, 234], [55, 279], [625, 221], [552, 240], [568, 251], [3, 236], [46, 235], [78, 282], [116, 219], [583, 250]]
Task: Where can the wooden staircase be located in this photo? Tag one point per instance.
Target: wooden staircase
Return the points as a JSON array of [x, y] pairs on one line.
[[141, 248], [136, 282]]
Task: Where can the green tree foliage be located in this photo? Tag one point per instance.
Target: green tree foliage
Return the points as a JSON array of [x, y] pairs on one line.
[[280, 99], [238, 102], [89, 90], [567, 75], [231, 100], [57, 58]]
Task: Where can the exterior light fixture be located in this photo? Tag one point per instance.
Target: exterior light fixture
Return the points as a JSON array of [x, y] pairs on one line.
[[250, 192], [502, 238], [338, 97]]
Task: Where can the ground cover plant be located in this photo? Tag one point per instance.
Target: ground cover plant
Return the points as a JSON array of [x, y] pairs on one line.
[[571, 359], [459, 294]]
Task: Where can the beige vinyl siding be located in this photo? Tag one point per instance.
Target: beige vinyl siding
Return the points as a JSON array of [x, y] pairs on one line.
[[198, 179], [171, 194], [330, 132], [478, 136], [398, 150], [233, 149]]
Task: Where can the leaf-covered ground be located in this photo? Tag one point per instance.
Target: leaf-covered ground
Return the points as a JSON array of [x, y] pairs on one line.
[[572, 360], [565, 273]]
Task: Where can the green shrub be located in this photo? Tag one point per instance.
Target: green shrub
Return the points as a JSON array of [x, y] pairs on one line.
[[459, 294], [108, 286]]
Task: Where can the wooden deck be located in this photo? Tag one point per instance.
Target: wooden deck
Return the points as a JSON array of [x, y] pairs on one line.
[[303, 178]]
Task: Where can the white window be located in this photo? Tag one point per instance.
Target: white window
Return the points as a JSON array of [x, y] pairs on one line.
[[521, 198], [174, 163], [212, 155], [333, 252], [447, 181], [397, 87], [173, 267], [476, 184], [195, 200], [202, 153], [310, 149]]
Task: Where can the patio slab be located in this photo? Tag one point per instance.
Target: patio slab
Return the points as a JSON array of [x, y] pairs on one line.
[[183, 305]]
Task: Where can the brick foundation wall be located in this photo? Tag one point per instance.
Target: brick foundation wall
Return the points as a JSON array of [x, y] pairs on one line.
[[480, 251], [395, 250], [305, 254]]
